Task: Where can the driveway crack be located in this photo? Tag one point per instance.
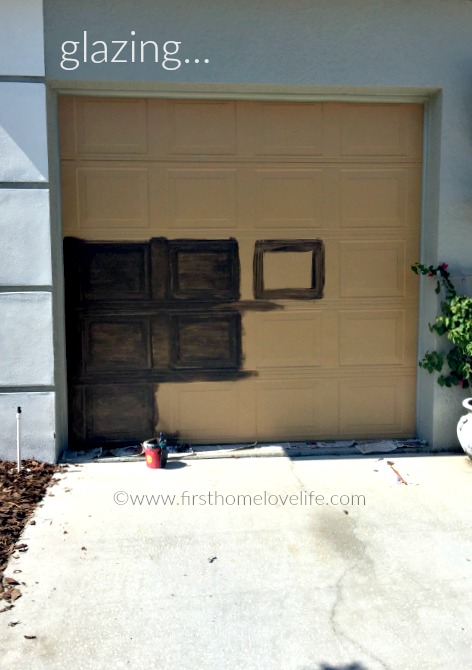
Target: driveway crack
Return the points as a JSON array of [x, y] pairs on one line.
[[339, 586]]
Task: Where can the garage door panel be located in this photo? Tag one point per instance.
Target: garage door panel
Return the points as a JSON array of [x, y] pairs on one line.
[[201, 128], [371, 338], [373, 406], [110, 198], [112, 271], [111, 126], [288, 409], [201, 198], [374, 130], [203, 411], [118, 413], [204, 270], [374, 198], [294, 340], [288, 198], [287, 129], [295, 408], [199, 410], [289, 340], [206, 341], [372, 269], [112, 344]]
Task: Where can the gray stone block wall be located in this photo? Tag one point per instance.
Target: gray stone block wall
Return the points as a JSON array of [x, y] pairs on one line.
[[25, 250], [37, 427], [26, 313], [26, 342]]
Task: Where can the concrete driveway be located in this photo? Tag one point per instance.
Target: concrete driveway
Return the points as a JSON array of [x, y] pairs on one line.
[[272, 583]]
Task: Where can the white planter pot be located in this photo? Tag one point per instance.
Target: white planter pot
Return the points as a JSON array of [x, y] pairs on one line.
[[464, 428]]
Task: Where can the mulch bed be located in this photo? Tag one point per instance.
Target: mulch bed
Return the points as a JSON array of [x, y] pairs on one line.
[[20, 493]]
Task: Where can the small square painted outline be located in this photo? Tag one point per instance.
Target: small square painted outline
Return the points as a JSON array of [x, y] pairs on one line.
[[314, 292]]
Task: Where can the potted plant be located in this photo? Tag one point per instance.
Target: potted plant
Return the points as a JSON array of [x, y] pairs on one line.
[[455, 324]]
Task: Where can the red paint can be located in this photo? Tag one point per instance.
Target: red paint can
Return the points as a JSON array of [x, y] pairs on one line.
[[153, 457], [155, 454]]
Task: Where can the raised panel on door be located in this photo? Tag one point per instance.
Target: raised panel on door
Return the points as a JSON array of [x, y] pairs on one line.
[[111, 198], [200, 197], [111, 126], [372, 268], [116, 343], [288, 129], [206, 341], [110, 271], [201, 128], [118, 413]]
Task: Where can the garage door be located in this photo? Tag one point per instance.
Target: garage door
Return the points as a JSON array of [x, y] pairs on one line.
[[239, 270]]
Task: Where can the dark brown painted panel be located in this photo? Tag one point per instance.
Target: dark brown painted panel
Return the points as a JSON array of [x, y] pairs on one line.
[[115, 271], [313, 292], [206, 341], [205, 270], [117, 412], [116, 344]]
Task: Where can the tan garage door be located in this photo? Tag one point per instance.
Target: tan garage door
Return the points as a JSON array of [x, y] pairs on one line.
[[303, 220]]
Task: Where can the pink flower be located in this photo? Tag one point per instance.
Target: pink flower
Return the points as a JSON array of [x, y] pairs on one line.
[[431, 274], [444, 266], [461, 383]]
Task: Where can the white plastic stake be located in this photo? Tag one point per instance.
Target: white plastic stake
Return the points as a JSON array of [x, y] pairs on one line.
[[18, 449]]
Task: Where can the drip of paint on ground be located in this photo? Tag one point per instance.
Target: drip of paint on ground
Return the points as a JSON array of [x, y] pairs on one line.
[[394, 472]]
